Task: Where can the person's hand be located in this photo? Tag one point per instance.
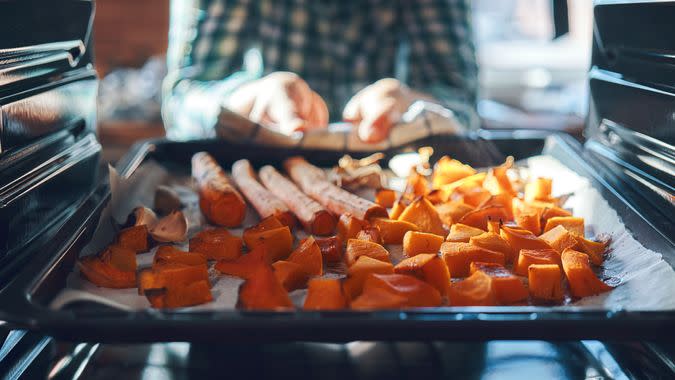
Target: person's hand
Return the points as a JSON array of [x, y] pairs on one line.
[[376, 108], [280, 100]]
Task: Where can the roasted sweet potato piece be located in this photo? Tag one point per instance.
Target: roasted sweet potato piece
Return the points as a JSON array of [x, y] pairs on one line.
[[244, 266], [545, 282], [529, 221], [459, 256], [522, 239], [559, 238], [356, 248], [325, 294], [385, 197], [416, 293], [348, 227], [392, 231], [308, 256], [497, 180], [594, 249], [291, 275], [494, 242], [527, 257], [105, 275], [509, 289], [572, 224], [167, 254], [371, 233], [462, 233], [475, 290], [121, 258], [357, 273], [448, 170], [278, 242], [538, 190], [427, 267], [424, 215], [583, 282], [262, 291], [479, 218], [331, 249], [135, 238], [216, 244], [415, 242], [452, 211]]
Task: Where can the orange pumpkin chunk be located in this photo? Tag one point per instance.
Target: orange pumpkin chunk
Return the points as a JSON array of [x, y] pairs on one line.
[[538, 190], [357, 273], [192, 294], [522, 239], [216, 244], [135, 238], [545, 281], [423, 214], [459, 256], [392, 231], [474, 181], [105, 275], [462, 233], [357, 248], [452, 211], [348, 226], [378, 298], [500, 200], [291, 275], [397, 209], [263, 291], [371, 233], [278, 242], [559, 238], [331, 249], [171, 255], [475, 290], [415, 242], [385, 197], [572, 224], [473, 196], [448, 170], [416, 293], [583, 282], [527, 257], [325, 294], [308, 256], [244, 266], [594, 249], [427, 267], [551, 212], [479, 218], [529, 221], [494, 242], [120, 258], [497, 180], [508, 288]]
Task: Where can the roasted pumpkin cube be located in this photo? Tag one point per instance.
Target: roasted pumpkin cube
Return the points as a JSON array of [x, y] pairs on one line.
[[509, 289], [357, 273], [397, 209], [371, 233], [196, 293], [392, 231], [479, 218], [427, 267], [474, 181], [473, 196], [494, 242], [331, 249], [244, 266], [459, 256], [349, 226], [135, 238], [522, 239], [216, 244], [451, 212], [415, 242], [497, 180], [527, 257], [308, 256], [461, 233], [102, 274], [170, 276], [325, 294], [539, 189], [171, 255], [583, 282], [121, 258], [503, 200], [416, 184], [594, 249], [552, 212], [559, 238], [415, 292], [529, 221], [423, 214], [475, 290], [263, 291], [291, 275], [448, 170], [357, 248], [545, 282], [378, 299], [572, 224], [385, 197], [278, 242]]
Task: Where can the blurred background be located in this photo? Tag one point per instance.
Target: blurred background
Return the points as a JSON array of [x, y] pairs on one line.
[[533, 58]]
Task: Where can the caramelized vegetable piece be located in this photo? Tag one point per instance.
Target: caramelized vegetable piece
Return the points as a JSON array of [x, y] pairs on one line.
[[244, 266], [500, 200], [357, 273], [196, 293], [458, 257], [479, 218], [494, 225], [120, 258], [278, 242], [429, 268], [331, 249], [559, 238], [291, 275], [508, 288], [473, 196], [325, 294], [415, 242], [527, 257], [594, 249], [397, 209], [219, 201], [416, 293], [385, 197], [538, 190], [269, 223], [497, 180], [169, 276], [105, 275], [475, 290], [216, 244], [494, 242], [551, 212], [378, 298], [416, 184], [308, 256], [371, 233], [522, 239], [424, 215], [447, 170], [392, 231], [545, 282], [135, 238], [348, 227], [262, 291], [529, 221], [170, 255], [357, 248], [462, 233], [583, 282], [572, 224], [450, 212], [461, 185]]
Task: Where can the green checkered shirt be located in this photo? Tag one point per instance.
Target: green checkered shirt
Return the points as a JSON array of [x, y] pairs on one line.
[[338, 47]]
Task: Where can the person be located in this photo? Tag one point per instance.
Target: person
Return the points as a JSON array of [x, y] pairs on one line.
[[296, 65]]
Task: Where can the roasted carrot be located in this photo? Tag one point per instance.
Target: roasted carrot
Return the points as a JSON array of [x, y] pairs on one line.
[[264, 202], [314, 183], [219, 201], [316, 219]]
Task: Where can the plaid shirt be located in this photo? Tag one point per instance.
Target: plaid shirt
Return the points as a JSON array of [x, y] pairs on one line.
[[337, 46]]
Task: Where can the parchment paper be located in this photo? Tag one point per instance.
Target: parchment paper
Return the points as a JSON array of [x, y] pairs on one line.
[[643, 280]]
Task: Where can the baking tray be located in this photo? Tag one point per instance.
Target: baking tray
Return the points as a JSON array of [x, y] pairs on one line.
[[24, 301]]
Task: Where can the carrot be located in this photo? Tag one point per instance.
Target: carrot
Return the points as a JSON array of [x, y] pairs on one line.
[[314, 183], [316, 219], [264, 202], [219, 201]]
